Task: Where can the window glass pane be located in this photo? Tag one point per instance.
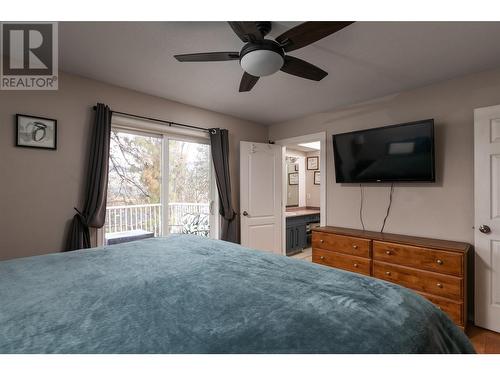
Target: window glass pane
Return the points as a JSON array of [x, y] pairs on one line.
[[189, 188], [134, 187]]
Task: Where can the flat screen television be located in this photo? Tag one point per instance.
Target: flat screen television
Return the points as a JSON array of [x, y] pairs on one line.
[[403, 152]]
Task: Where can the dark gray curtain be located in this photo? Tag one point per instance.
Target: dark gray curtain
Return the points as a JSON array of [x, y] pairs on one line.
[[94, 210], [219, 140]]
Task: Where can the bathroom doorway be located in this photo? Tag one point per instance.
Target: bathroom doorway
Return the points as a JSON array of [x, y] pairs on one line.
[[304, 191]]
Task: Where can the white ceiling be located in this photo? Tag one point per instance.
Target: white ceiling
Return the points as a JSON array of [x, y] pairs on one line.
[[365, 60], [300, 147]]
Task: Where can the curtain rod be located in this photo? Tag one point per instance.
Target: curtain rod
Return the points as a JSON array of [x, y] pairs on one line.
[[169, 123]]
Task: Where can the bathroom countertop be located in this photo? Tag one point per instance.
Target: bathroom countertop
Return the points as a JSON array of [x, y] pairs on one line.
[[300, 211]]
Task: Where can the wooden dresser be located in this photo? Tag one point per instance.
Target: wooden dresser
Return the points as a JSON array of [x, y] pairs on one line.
[[435, 269]]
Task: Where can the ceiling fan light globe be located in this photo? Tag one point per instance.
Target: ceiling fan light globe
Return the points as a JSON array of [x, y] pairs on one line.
[[260, 63]]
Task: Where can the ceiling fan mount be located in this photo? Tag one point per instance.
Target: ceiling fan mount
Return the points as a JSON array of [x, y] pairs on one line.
[[261, 57], [264, 27]]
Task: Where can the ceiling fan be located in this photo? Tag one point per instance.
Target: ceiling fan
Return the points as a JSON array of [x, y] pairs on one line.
[[261, 57]]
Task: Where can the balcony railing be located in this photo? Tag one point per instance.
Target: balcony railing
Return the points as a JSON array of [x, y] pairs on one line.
[[177, 211], [149, 217]]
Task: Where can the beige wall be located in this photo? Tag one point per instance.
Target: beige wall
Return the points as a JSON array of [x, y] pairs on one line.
[[444, 209], [313, 196], [39, 188]]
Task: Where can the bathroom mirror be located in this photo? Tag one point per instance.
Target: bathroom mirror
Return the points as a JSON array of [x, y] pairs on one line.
[[292, 169]]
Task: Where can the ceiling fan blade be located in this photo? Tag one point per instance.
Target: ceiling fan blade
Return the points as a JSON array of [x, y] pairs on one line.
[[246, 31], [248, 81], [303, 69], [208, 56], [307, 33]]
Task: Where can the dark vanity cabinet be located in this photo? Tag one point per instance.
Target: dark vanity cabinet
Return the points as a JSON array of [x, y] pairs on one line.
[[296, 237], [296, 232]]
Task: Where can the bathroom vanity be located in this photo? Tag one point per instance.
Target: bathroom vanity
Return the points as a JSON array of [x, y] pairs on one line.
[[298, 223]]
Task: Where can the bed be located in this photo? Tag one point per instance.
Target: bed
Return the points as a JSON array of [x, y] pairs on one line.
[[187, 294]]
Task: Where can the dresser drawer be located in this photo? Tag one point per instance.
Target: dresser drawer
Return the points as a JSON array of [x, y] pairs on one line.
[[345, 262], [422, 281], [348, 245], [419, 257], [453, 309]]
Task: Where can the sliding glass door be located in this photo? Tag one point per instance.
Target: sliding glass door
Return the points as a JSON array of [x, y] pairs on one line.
[[134, 186], [158, 185], [189, 172]]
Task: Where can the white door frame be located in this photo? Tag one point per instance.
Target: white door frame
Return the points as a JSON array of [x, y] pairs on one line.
[[314, 137]]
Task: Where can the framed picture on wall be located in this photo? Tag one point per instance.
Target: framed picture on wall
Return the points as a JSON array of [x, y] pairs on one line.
[[312, 163], [317, 178], [293, 178], [36, 132]]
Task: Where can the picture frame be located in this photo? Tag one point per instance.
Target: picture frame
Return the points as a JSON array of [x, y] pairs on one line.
[[293, 178], [36, 132], [313, 163], [317, 178]]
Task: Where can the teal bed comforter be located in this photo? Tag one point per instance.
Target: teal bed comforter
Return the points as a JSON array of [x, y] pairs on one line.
[[186, 294]]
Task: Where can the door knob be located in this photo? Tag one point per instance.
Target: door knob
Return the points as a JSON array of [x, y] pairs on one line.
[[485, 229], [245, 213]]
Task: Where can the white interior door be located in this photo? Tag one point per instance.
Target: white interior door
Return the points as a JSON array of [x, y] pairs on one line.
[[487, 216], [261, 167]]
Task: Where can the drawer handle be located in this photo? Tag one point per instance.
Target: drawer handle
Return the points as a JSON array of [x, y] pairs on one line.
[[439, 285], [388, 252], [387, 273], [355, 265], [354, 246], [321, 241], [439, 261], [322, 257]]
